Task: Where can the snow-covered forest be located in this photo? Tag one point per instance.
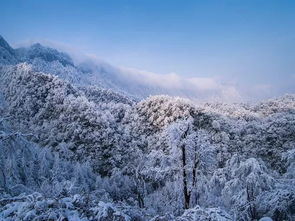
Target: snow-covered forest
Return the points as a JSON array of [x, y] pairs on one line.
[[75, 145]]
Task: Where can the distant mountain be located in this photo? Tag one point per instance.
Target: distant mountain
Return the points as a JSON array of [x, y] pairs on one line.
[[132, 83], [52, 61], [37, 51], [7, 54], [5, 46]]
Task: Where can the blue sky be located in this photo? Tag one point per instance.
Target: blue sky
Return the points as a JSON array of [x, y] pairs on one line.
[[249, 44]]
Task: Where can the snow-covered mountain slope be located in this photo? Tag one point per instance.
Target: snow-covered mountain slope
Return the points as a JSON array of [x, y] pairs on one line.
[[71, 150], [7, 54], [37, 51], [57, 63], [36, 184]]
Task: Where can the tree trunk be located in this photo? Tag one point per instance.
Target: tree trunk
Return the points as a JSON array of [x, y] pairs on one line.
[[4, 179], [195, 168], [251, 200], [184, 179], [140, 200]]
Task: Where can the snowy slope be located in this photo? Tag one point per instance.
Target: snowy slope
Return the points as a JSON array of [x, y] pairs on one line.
[[7, 54], [72, 150]]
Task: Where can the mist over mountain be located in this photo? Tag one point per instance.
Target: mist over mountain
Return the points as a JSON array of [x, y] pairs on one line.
[[86, 142], [134, 83]]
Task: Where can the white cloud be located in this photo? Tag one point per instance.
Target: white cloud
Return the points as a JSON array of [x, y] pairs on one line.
[[198, 88]]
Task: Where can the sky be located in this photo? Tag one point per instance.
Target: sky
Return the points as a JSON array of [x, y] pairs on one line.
[[249, 45]]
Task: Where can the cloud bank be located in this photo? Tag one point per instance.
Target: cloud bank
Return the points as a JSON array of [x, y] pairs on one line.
[[197, 88]]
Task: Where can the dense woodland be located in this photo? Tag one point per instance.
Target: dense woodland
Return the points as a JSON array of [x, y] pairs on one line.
[[74, 148]]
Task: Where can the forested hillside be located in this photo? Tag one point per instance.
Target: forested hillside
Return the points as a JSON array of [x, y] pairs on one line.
[[74, 150]]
